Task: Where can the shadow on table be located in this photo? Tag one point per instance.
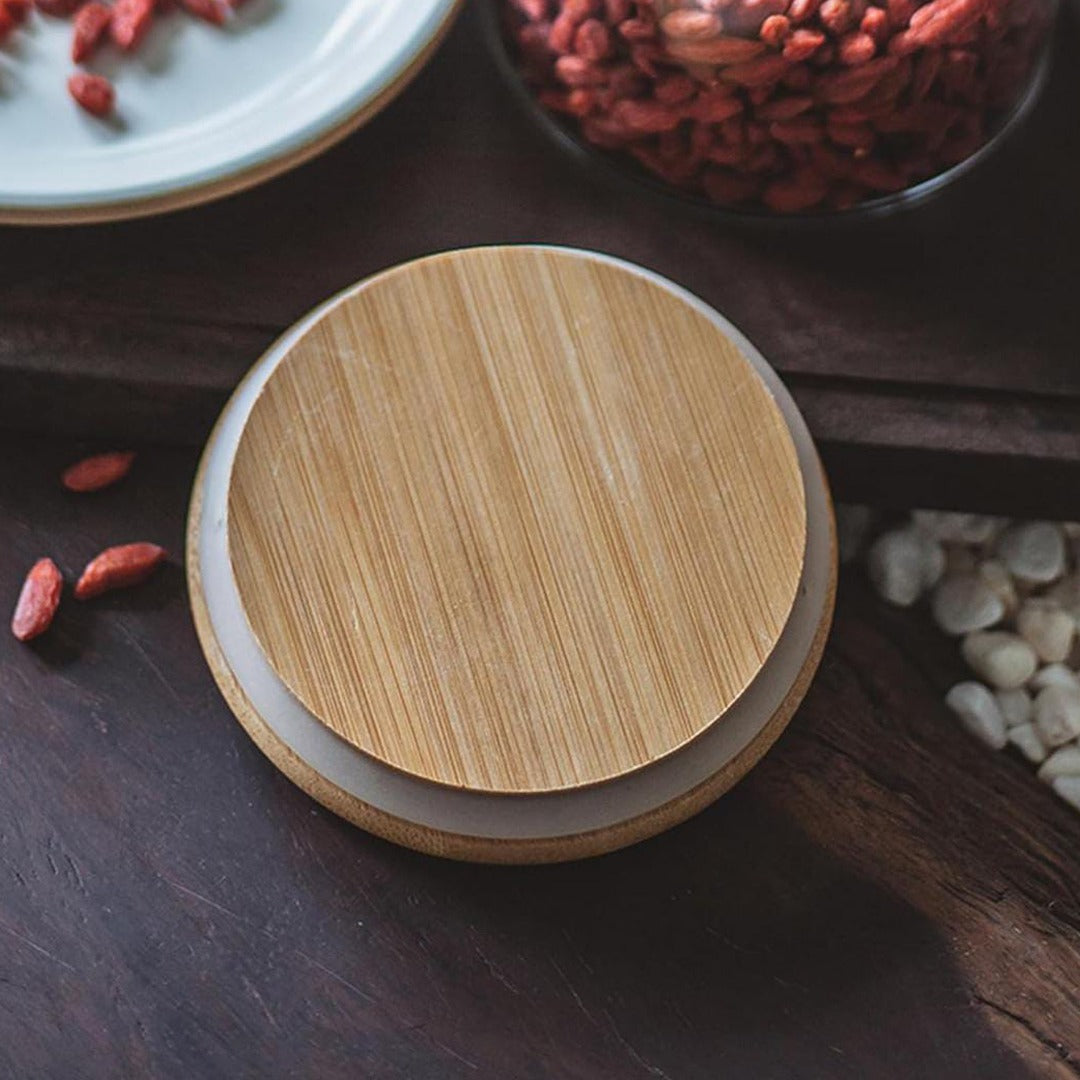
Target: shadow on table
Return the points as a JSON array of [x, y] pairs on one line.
[[731, 947]]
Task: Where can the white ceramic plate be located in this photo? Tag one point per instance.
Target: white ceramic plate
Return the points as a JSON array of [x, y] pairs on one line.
[[201, 111]]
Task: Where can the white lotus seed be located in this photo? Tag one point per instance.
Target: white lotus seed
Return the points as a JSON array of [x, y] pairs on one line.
[[978, 712], [1068, 788], [903, 563], [1026, 739], [1015, 705], [1004, 660], [965, 603], [1057, 715], [957, 528], [1067, 593], [1054, 675], [1047, 628], [998, 579], [1062, 762], [1033, 552]]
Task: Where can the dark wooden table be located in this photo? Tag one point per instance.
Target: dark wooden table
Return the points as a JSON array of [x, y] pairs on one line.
[[934, 354], [880, 898]]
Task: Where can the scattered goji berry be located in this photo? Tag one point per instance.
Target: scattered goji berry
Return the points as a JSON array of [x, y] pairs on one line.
[[94, 93], [212, 11], [38, 601], [128, 22], [58, 9], [131, 20], [17, 9], [775, 30], [784, 102], [118, 568], [97, 472], [91, 22]]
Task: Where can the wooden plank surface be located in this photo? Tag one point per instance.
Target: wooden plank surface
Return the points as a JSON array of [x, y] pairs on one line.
[[881, 897], [937, 348]]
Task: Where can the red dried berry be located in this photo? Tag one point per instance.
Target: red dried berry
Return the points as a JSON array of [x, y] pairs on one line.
[[38, 601], [797, 104], [91, 22], [118, 568], [775, 30], [97, 472], [94, 93], [131, 20], [58, 9], [17, 9], [211, 11]]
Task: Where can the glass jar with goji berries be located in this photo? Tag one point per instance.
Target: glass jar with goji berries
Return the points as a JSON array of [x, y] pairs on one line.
[[783, 106]]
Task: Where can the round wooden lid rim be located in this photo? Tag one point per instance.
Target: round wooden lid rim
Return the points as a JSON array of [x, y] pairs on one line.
[[364, 778], [314, 377]]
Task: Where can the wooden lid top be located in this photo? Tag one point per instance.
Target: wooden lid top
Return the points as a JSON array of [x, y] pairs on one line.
[[516, 519]]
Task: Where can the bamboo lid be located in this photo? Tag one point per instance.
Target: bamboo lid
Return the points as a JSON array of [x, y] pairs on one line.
[[516, 520]]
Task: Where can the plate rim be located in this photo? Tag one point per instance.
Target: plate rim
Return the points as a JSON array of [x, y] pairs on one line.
[[276, 162]]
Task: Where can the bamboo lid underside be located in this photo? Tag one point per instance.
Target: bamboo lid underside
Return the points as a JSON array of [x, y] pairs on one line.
[[516, 520]]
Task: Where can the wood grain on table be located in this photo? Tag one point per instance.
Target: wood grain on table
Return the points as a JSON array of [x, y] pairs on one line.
[[934, 353], [880, 898]]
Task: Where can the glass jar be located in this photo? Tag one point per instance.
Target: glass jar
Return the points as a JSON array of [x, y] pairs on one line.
[[783, 106]]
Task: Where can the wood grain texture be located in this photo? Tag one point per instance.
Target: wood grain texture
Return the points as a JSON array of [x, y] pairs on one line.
[[477, 849], [881, 897], [515, 520], [929, 352]]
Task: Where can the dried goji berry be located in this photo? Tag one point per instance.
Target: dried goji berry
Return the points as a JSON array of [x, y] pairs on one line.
[[131, 20], [802, 131], [875, 23], [592, 40], [97, 472], [802, 10], [803, 43], [58, 9], [835, 15], [94, 93], [785, 108], [17, 9], [856, 48], [775, 30], [799, 192], [91, 22], [795, 103], [118, 568], [38, 601], [211, 11]]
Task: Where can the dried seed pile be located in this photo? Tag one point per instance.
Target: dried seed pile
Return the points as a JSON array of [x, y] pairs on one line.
[[1010, 591], [124, 23], [114, 568], [793, 105]]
